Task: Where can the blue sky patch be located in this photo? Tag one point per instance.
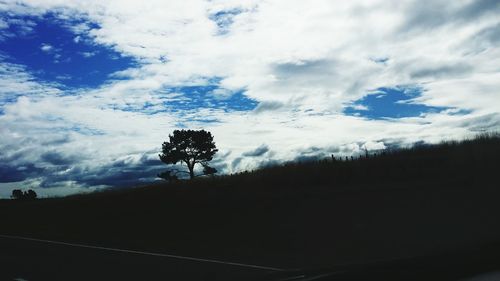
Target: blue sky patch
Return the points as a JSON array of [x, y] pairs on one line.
[[394, 102], [54, 52], [209, 96], [186, 100], [224, 19]]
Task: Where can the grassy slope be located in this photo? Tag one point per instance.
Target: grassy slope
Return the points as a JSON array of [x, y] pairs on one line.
[[403, 203]]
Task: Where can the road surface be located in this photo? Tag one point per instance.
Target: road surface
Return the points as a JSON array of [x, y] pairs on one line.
[[32, 260]]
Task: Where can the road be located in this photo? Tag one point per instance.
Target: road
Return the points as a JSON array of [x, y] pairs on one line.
[[32, 260]]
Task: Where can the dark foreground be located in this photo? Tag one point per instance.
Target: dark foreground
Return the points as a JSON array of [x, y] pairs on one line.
[[24, 259], [34, 260], [473, 264], [421, 202]]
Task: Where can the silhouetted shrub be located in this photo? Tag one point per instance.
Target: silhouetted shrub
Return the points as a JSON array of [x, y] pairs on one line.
[[17, 194], [208, 171], [30, 194], [26, 195], [168, 176]]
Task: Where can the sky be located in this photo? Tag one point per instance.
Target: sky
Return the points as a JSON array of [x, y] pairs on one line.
[[90, 89]]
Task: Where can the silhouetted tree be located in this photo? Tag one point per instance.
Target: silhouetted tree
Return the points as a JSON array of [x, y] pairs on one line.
[[190, 147], [17, 194], [30, 194], [27, 195]]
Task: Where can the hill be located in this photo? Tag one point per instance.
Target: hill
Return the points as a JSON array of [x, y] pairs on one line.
[[402, 203]]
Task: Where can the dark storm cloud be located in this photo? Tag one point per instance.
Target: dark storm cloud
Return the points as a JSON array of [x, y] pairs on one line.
[[11, 174], [442, 71], [121, 172], [314, 153], [57, 140], [486, 38], [60, 168], [308, 72], [309, 68], [485, 123], [269, 163], [129, 176], [56, 158], [423, 15], [220, 162], [259, 151], [268, 106], [236, 162], [478, 8], [308, 158], [17, 173], [430, 14]]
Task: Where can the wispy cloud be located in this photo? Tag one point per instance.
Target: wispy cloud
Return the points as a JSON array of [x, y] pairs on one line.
[[46, 48]]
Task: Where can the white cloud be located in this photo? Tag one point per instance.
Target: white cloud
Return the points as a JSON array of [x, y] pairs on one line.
[[46, 47], [88, 54], [16, 81], [3, 24], [371, 145]]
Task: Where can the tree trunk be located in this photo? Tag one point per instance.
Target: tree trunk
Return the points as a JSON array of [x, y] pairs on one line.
[[191, 171]]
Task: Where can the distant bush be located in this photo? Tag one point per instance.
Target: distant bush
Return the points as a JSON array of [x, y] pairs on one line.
[[26, 195], [17, 194]]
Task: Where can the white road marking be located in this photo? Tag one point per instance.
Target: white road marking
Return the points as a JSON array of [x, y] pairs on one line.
[[144, 253]]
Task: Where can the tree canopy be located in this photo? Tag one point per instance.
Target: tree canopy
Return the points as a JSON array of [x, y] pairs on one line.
[[188, 147]]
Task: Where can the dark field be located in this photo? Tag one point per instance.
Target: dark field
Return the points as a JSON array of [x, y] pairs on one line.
[[408, 203]]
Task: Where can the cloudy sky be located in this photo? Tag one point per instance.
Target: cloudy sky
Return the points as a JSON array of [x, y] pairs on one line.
[[90, 89]]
